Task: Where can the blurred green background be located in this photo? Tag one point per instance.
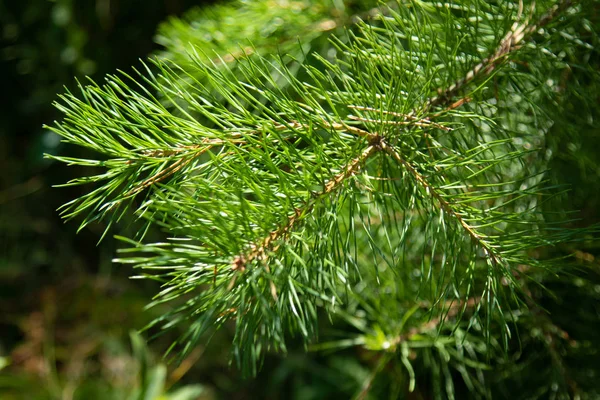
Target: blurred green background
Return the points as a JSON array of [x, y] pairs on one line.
[[66, 312]]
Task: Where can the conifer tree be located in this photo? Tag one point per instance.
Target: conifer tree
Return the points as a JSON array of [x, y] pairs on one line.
[[380, 168]]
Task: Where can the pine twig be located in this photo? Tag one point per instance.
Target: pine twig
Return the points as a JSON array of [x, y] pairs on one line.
[[509, 43], [207, 144], [327, 25], [420, 123], [423, 122], [258, 252], [490, 252], [335, 126]]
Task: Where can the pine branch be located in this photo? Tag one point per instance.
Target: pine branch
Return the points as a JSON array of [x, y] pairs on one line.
[[245, 14], [263, 179], [412, 121], [373, 13], [509, 43]]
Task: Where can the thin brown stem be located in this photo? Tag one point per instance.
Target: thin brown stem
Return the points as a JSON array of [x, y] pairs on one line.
[[411, 117], [194, 152], [231, 57], [327, 25], [258, 251], [552, 333], [234, 138], [335, 126], [509, 43], [420, 123], [487, 248], [368, 383]]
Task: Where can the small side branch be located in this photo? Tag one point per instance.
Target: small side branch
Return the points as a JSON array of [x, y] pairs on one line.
[[408, 119], [335, 126], [509, 43], [258, 251], [194, 152], [489, 251]]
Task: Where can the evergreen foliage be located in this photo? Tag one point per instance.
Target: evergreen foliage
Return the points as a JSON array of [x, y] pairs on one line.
[[395, 181]]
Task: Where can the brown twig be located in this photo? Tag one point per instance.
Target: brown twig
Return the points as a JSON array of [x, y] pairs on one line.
[[231, 57], [335, 126], [424, 123], [551, 332], [416, 121], [493, 256], [195, 151], [184, 366], [453, 106], [509, 43], [259, 251], [327, 25], [199, 149]]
